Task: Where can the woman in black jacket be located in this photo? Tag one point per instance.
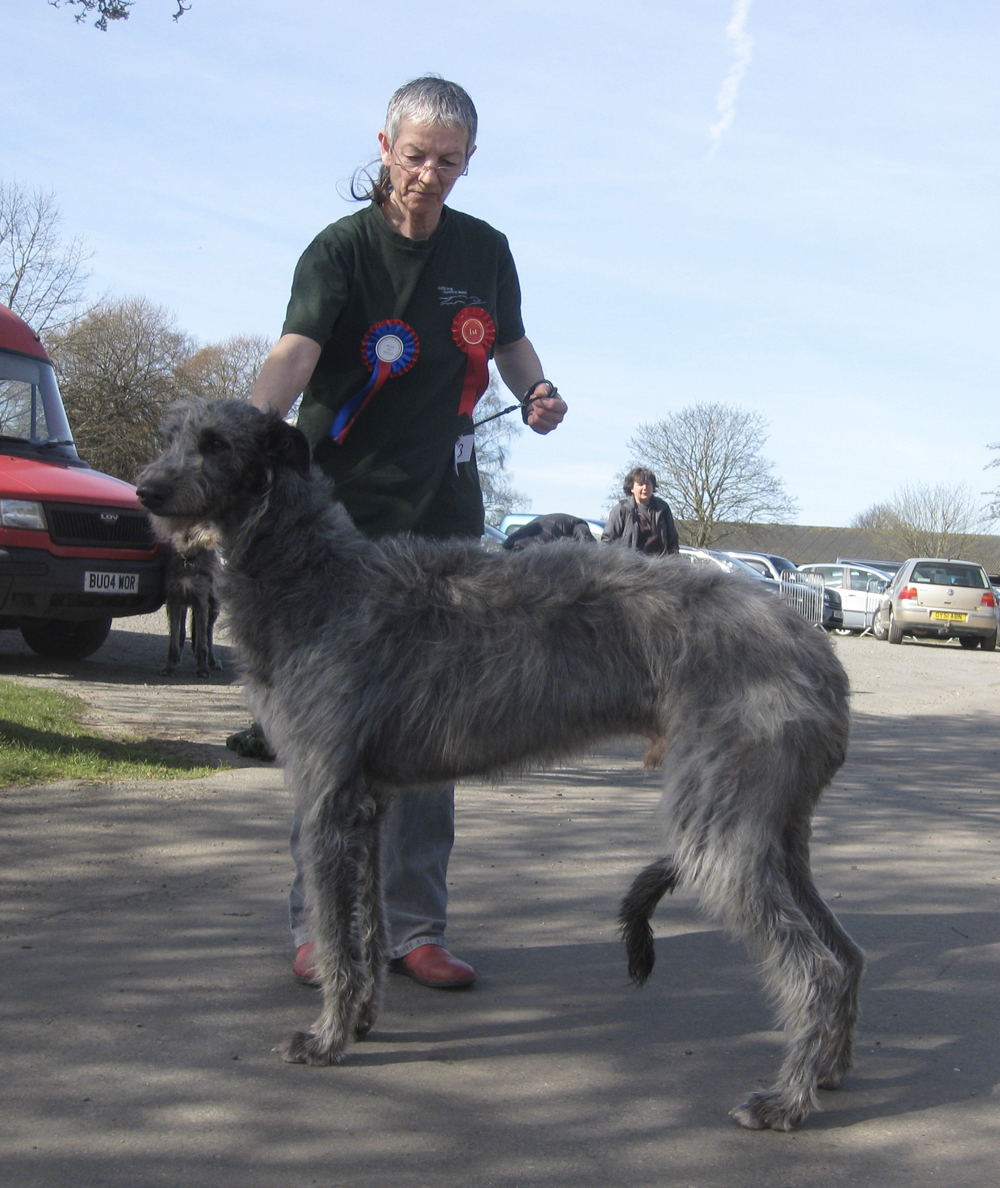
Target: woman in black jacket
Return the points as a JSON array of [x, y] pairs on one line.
[[641, 521]]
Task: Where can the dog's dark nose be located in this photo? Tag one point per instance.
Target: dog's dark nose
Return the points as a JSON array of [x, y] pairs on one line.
[[153, 494]]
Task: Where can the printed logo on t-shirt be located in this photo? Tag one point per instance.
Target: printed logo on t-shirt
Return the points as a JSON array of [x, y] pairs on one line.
[[449, 296]]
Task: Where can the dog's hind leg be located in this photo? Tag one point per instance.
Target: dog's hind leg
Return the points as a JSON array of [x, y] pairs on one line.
[[343, 879], [803, 976], [836, 1056], [649, 887]]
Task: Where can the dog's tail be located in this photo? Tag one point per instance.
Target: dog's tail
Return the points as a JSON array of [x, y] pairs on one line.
[[649, 888]]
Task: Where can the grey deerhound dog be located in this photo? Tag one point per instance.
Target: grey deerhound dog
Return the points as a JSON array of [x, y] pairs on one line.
[[191, 572], [376, 665]]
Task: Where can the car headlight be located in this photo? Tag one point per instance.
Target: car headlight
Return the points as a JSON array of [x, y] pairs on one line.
[[21, 513]]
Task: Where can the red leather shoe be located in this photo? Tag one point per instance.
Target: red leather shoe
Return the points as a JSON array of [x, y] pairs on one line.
[[303, 969], [434, 966]]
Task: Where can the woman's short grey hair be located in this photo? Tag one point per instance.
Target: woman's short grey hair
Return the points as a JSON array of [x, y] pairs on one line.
[[427, 100], [433, 100]]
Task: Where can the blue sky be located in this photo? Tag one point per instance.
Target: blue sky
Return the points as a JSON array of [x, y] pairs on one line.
[[829, 260]]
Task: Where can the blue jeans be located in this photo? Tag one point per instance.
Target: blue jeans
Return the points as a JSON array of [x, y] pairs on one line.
[[418, 831]]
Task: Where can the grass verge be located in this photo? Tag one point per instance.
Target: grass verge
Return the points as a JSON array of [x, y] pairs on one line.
[[41, 739]]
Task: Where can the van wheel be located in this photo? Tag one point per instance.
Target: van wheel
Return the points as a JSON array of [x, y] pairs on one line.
[[895, 635], [878, 627], [989, 642], [64, 639], [969, 641]]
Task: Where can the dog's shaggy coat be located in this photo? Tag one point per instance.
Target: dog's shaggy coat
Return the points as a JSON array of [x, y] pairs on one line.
[[378, 665]]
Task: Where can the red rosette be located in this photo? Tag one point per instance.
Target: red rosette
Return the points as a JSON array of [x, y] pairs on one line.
[[473, 328], [474, 333]]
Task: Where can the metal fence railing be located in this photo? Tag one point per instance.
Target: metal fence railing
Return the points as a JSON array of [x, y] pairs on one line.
[[804, 594]]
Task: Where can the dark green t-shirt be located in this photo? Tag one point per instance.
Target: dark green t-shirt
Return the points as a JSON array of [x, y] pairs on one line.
[[396, 469]]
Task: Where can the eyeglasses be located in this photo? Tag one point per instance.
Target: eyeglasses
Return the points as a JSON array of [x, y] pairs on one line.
[[445, 172]]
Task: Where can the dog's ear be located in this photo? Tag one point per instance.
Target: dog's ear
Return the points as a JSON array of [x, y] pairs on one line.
[[287, 446]]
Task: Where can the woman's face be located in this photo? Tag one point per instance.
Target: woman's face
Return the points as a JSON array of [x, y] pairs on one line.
[[643, 492], [424, 162]]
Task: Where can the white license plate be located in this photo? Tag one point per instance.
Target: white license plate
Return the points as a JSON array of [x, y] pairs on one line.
[[110, 583]]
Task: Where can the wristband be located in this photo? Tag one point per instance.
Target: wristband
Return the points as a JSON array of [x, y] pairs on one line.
[[526, 399]]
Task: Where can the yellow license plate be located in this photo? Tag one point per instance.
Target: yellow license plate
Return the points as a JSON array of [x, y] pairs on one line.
[[951, 616]]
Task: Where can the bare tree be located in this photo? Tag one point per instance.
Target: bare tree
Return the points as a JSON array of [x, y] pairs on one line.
[[709, 467], [224, 370], [924, 521], [42, 277], [118, 369], [492, 443], [991, 511], [108, 10]]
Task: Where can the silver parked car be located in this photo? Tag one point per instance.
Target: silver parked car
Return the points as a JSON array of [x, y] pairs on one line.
[[773, 566], [860, 587], [932, 598]]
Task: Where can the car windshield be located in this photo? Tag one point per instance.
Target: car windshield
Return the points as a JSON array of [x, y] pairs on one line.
[[733, 564], [31, 409], [944, 573]]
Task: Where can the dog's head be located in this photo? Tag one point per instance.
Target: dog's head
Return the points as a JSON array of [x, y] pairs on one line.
[[218, 459]]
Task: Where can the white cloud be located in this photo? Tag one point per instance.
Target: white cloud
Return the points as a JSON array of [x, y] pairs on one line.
[[742, 52]]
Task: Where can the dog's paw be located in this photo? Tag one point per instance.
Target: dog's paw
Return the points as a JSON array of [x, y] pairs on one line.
[[216, 664], [169, 670], [202, 672], [769, 1111], [303, 1047]]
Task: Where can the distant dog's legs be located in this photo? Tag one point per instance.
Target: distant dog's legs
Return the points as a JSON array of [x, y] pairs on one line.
[[637, 908], [804, 978], [177, 621], [213, 614], [342, 847], [836, 1057], [201, 635]]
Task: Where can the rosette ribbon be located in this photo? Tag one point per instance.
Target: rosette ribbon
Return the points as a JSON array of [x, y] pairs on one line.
[[387, 349], [474, 333]]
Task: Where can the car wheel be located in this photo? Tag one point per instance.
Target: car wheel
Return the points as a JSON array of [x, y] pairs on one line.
[[878, 627], [989, 642], [844, 631], [895, 633], [969, 641], [64, 639]]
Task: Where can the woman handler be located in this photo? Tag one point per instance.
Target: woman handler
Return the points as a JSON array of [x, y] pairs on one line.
[[394, 313]]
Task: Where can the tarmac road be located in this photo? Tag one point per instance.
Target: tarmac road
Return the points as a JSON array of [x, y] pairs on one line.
[[145, 971]]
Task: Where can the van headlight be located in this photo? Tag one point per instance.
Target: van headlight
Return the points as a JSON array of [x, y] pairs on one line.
[[21, 513]]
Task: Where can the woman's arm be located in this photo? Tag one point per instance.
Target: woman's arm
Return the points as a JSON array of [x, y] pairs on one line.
[[286, 371], [519, 369]]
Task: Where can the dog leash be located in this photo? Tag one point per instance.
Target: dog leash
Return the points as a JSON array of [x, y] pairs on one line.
[[524, 405]]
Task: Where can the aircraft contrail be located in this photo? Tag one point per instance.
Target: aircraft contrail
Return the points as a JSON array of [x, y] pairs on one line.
[[742, 50]]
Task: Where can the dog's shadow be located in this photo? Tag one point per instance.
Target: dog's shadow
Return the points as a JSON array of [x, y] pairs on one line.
[[702, 1025]]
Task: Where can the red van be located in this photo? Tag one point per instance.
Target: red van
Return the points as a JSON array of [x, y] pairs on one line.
[[76, 549]]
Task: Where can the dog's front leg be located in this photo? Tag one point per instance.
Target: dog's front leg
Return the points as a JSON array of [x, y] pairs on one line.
[[176, 620], [199, 636], [344, 891], [213, 614]]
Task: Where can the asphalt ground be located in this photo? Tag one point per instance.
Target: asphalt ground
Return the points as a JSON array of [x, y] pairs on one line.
[[145, 970]]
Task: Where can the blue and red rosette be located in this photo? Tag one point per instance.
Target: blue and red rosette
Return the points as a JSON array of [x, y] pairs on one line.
[[388, 349]]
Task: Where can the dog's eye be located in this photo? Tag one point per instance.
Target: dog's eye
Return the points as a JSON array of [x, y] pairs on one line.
[[212, 444]]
